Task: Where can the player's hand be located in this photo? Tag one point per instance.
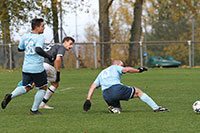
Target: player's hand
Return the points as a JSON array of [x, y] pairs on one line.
[[87, 105], [51, 58], [142, 69], [57, 76]]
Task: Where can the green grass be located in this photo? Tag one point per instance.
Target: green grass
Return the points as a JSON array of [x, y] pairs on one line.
[[176, 89]]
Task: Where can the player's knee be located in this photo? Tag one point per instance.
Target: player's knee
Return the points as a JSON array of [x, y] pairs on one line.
[[28, 88], [138, 92], [55, 84], [44, 88]]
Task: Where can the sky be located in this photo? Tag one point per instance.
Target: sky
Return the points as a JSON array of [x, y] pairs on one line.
[[73, 25]]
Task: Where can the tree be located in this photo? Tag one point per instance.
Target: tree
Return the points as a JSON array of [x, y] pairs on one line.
[[104, 30], [54, 10], [120, 19], [54, 7], [12, 14], [136, 31], [172, 20]]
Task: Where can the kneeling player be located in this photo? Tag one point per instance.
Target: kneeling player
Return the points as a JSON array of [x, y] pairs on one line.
[[113, 91]]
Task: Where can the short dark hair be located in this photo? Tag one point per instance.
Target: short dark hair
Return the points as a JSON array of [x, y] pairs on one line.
[[67, 38], [36, 22]]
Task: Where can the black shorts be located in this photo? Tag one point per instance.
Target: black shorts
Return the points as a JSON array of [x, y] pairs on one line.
[[40, 79], [118, 92]]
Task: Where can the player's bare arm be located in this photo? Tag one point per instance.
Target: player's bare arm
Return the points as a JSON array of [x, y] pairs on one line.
[[87, 103], [57, 66], [91, 91], [130, 70], [133, 70], [58, 63]]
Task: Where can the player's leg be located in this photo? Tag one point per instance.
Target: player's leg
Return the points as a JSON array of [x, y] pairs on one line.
[[51, 77], [19, 90], [115, 107], [50, 91], [40, 81], [148, 100], [111, 96]]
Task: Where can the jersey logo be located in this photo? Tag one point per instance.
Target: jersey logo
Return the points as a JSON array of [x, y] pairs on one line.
[[105, 74], [29, 47], [48, 47]]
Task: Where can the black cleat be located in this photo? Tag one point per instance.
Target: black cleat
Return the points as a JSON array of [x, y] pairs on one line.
[[35, 112], [161, 109], [6, 100]]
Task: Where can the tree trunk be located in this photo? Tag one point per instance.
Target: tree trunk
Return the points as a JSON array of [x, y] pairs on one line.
[[5, 24], [136, 31], [54, 4], [104, 31]]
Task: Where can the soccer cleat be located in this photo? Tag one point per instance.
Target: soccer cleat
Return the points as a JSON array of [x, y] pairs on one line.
[[35, 112], [45, 106], [161, 109], [6, 100], [114, 110]]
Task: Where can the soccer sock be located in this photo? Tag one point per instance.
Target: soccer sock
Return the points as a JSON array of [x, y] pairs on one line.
[[145, 98], [18, 91], [38, 99], [48, 95]]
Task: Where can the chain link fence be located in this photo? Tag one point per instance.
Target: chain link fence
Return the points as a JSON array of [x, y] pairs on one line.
[[87, 55]]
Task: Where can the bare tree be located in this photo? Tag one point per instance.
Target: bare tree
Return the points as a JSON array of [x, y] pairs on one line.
[[104, 31], [54, 7], [136, 31], [12, 14]]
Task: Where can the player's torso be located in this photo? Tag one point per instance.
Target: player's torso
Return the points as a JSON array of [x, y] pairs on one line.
[[33, 63], [54, 50], [110, 76]]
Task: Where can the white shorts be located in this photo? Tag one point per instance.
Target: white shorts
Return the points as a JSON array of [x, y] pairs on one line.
[[51, 72]]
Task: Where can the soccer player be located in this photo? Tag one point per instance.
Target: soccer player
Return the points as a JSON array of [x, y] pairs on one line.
[[113, 91], [33, 70], [52, 67]]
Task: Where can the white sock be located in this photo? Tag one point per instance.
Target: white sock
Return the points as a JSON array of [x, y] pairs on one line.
[[18, 91], [145, 98], [48, 95], [38, 98]]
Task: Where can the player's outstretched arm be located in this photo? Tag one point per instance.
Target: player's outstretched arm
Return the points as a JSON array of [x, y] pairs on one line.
[[87, 103], [133, 70]]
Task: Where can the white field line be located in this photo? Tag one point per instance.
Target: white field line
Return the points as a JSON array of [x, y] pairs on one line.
[[65, 89]]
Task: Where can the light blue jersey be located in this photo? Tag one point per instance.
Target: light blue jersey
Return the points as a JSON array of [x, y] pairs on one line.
[[33, 63], [109, 76]]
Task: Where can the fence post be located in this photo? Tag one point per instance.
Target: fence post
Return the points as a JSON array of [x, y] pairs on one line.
[[141, 54], [95, 54], [77, 56], [189, 47], [10, 55]]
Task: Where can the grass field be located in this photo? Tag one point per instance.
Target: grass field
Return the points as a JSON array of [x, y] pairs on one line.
[[176, 89]]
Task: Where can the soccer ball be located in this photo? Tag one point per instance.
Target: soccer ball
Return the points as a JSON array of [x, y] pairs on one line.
[[196, 106]]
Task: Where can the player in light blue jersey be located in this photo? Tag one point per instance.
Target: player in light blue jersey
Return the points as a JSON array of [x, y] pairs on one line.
[[33, 70], [114, 91]]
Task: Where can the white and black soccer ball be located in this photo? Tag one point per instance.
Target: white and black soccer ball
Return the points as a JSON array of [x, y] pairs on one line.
[[196, 106]]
